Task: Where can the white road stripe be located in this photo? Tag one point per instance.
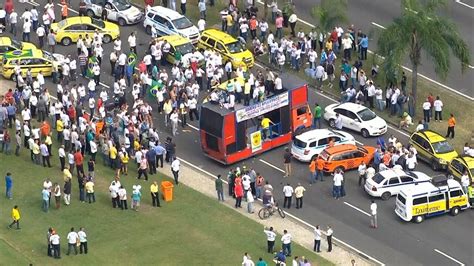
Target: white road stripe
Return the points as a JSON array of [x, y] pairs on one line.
[[271, 165], [464, 4], [378, 25], [191, 126], [356, 208], [33, 3], [70, 9], [449, 257]]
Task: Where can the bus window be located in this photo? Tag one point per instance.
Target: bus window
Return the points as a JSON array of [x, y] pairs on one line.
[[455, 193], [436, 197], [212, 142], [420, 200]]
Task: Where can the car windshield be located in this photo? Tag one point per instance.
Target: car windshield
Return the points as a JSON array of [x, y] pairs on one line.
[[98, 23], [62, 24], [366, 114], [185, 48], [378, 178], [122, 5], [442, 147], [48, 55], [299, 143], [235, 47], [18, 45], [182, 23]]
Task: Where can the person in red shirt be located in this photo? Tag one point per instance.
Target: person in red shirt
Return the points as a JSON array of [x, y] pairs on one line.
[[71, 112], [79, 161], [239, 193], [8, 7], [253, 27]]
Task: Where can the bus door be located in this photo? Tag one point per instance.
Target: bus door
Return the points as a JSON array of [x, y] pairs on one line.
[[301, 117]]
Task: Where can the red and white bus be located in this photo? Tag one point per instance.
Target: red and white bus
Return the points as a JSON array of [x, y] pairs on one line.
[[229, 136]]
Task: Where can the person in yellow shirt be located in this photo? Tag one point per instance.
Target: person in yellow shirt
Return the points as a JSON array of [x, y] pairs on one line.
[[154, 194], [67, 176], [49, 142], [36, 152], [114, 163], [124, 162], [90, 191], [15, 217], [265, 126], [60, 129]]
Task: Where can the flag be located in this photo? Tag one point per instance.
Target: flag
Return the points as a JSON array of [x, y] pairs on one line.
[[90, 64], [156, 85]]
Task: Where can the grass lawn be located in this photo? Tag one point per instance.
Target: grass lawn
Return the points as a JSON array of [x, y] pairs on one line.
[[453, 103], [191, 229]]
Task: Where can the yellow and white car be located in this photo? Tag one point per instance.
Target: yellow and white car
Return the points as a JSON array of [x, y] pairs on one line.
[[8, 44], [33, 59], [68, 30]]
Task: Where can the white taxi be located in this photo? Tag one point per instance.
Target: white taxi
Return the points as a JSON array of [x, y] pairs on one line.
[[389, 182]]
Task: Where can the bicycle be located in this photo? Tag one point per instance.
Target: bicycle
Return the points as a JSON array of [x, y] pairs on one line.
[[267, 211]]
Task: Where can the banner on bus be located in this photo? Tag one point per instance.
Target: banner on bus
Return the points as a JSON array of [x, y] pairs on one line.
[[261, 108], [256, 141]]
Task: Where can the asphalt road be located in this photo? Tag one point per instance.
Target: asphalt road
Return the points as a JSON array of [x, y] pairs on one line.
[[394, 242], [370, 15]]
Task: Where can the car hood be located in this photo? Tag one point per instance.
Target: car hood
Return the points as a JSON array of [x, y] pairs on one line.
[[132, 12], [28, 46], [377, 122], [330, 107], [189, 31]]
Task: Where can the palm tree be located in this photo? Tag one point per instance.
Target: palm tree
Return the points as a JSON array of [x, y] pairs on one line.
[[420, 30], [330, 13]]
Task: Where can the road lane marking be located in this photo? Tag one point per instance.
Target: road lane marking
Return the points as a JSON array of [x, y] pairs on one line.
[[449, 257], [464, 4], [378, 25], [356, 208], [271, 165], [33, 3], [191, 126], [292, 216]]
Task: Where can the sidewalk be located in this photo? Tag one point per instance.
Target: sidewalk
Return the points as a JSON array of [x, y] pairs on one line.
[[302, 234]]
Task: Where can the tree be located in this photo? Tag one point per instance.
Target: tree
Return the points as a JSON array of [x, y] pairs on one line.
[[420, 30], [330, 13]]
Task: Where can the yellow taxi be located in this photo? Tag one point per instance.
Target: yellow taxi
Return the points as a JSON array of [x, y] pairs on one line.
[[33, 59], [459, 165], [229, 48], [433, 148], [184, 47], [68, 30], [8, 44]]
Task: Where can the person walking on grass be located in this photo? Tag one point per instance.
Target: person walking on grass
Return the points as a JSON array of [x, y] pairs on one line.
[[286, 243], [82, 240], [373, 214], [90, 190], [57, 195], [45, 195], [136, 197], [72, 239], [219, 188], [8, 185], [154, 194], [271, 235], [122, 193], [15, 217], [451, 125]]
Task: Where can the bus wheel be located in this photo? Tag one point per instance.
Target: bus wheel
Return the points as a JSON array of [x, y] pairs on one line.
[[419, 219], [455, 211]]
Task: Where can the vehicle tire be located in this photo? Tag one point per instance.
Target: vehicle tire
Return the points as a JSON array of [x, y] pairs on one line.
[[66, 41], [340, 168], [148, 30], [90, 13], [281, 212], [264, 213], [419, 219], [434, 165], [314, 157], [455, 211], [332, 123], [386, 195], [107, 38], [122, 22], [365, 133]]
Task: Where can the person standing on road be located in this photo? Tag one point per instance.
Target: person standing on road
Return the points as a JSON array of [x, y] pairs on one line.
[[287, 162], [317, 239], [465, 181], [271, 235], [338, 122], [319, 169], [250, 200], [175, 165], [219, 188], [362, 169], [312, 171], [329, 233], [72, 239], [338, 179], [288, 193], [83, 240], [8, 185], [317, 116], [15, 217], [286, 243], [451, 125], [373, 214], [299, 191]]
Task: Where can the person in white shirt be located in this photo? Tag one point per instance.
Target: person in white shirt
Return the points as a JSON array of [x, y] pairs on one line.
[[174, 122], [54, 240], [201, 24], [317, 239], [411, 161], [271, 235], [83, 240], [288, 193], [438, 108], [362, 169], [373, 214], [337, 186], [132, 42], [426, 110], [175, 169], [72, 239], [286, 243], [465, 182]]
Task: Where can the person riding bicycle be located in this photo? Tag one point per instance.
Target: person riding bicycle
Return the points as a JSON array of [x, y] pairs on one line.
[[268, 201]]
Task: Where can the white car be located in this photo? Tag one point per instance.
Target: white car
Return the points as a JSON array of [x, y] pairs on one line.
[[389, 182], [120, 11], [356, 117], [309, 144], [167, 22]]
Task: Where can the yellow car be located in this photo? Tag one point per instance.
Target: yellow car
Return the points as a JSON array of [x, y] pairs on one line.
[[433, 148], [459, 165], [229, 47], [8, 44], [68, 30], [185, 47], [33, 59]]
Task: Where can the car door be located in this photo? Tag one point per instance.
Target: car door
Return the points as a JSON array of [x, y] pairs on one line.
[[112, 12], [169, 28], [394, 185], [347, 159], [90, 29], [352, 121], [358, 158], [159, 24], [211, 43], [220, 47], [96, 6], [73, 32]]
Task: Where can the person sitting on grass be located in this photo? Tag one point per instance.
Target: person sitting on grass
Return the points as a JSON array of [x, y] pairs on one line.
[[280, 258], [406, 121]]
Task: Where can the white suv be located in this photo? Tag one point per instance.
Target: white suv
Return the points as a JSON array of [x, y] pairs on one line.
[[120, 11], [356, 117], [167, 22], [389, 182]]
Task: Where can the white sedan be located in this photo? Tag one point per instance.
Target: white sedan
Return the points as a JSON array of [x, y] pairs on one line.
[[356, 117], [389, 182], [308, 145]]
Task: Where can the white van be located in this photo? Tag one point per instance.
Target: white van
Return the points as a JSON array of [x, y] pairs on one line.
[[120, 11], [424, 200], [167, 22]]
